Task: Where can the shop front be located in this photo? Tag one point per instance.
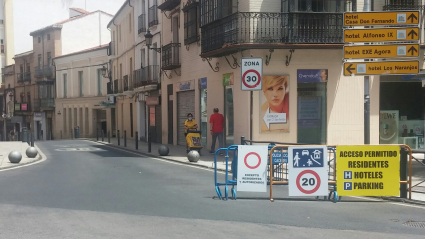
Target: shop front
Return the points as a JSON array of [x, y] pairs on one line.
[[185, 104]]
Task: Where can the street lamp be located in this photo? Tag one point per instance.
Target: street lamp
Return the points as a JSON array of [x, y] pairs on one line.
[[148, 39]]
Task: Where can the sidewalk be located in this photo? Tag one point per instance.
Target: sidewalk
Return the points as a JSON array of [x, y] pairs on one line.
[[7, 147], [177, 152]]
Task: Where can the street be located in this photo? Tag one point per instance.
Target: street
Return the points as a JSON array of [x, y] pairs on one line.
[[104, 192]]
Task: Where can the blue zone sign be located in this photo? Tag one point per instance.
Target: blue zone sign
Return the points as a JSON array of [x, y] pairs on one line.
[[279, 157], [308, 158]]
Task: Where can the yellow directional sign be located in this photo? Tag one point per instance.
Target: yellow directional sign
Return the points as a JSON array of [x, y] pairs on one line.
[[380, 35], [381, 51], [381, 18], [381, 68]]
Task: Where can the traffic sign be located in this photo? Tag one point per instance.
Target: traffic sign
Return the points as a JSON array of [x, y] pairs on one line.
[[381, 68], [381, 51], [368, 170], [278, 156], [308, 175], [252, 168], [381, 35], [252, 74], [381, 18]]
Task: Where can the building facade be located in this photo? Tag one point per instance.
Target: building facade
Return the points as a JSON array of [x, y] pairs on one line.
[[81, 94], [121, 57]]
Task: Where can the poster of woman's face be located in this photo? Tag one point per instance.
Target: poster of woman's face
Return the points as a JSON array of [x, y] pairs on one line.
[[10, 101], [274, 100]]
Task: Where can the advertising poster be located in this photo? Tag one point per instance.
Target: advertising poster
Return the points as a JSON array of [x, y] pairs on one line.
[[310, 75], [274, 100], [388, 126], [227, 79]]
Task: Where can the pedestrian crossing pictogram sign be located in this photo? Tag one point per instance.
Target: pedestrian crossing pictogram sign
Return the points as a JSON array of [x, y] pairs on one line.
[[308, 174]]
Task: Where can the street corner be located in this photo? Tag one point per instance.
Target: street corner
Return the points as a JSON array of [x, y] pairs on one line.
[[21, 147]]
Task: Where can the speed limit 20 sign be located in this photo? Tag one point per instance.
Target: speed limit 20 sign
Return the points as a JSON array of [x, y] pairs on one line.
[[252, 73], [308, 174]]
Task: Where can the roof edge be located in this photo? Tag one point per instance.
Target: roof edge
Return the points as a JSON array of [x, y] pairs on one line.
[[83, 51], [118, 12], [54, 26]]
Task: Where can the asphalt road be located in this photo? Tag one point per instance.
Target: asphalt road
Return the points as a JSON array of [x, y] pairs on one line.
[[109, 193]]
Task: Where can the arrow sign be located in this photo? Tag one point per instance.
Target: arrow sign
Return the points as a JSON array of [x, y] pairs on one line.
[[349, 69], [274, 118], [413, 33], [412, 17], [412, 49]]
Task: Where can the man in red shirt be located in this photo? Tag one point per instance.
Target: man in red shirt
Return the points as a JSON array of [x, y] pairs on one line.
[[216, 128]]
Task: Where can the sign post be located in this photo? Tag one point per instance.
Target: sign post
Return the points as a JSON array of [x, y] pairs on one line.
[[398, 36], [308, 171]]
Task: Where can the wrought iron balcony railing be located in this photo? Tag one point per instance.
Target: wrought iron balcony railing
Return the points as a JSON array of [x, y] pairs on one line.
[[27, 76], [116, 82], [47, 70], [270, 28], [109, 88], [153, 14], [168, 5], [171, 56], [146, 76], [38, 71], [44, 103], [128, 83], [394, 5], [142, 23], [20, 77]]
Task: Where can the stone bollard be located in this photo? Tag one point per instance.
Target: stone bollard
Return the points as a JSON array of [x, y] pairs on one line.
[[15, 156], [31, 152], [193, 156], [163, 150]]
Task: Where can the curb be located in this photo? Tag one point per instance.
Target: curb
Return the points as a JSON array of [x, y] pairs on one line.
[[404, 200], [154, 156], [39, 158]]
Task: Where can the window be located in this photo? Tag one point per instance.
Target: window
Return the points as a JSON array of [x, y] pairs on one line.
[[45, 91], [49, 58], [65, 86], [99, 82], [119, 31], [39, 60], [190, 23], [212, 10], [2, 46], [153, 14], [39, 39], [321, 6], [81, 83], [48, 36]]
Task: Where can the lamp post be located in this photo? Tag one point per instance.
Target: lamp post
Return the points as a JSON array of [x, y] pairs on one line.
[[148, 41]]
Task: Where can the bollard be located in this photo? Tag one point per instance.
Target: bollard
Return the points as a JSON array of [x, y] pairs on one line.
[[61, 134], [403, 172], [32, 139], [97, 135], [149, 143], [118, 135], [137, 140], [242, 140], [125, 138], [103, 136], [109, 137]]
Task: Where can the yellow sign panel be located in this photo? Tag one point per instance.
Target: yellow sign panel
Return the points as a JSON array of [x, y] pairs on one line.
[[381, 51], [381, 18], [382, 34], [368, 170], [381, 68]]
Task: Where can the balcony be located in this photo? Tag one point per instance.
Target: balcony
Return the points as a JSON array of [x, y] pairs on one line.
[[148, 75], [168, 5], [44, 104], [38, 71], [20, 77], [27, 76], [115, 86], [142, 23], [111, 48], [171, 56], [109, 88], [128, 83], [153, 14], [271, 30], [47, 70], [392, 5]]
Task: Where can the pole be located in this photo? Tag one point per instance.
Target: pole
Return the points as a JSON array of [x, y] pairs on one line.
[[137, 140], [366, 94], [32, 139], [109, 137], [149, 143], [250, 115], [118, 134], [242, 140], [103, 136], [125, 138], [403, 172], [97, 134]]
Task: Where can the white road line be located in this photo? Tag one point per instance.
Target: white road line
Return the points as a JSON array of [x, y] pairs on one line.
[[211, 170]]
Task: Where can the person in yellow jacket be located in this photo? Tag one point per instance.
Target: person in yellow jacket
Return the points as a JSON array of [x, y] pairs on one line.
[[189, 124]]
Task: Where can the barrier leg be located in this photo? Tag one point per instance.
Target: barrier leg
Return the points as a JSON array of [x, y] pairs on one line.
[[403, 172], [118, 134]]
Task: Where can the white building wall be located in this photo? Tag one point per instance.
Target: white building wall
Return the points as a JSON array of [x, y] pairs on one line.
[[85, 26]]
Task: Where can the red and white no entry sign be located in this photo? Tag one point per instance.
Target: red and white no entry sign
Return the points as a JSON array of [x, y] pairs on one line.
[[308, 184], [258, 158], [252, 73]]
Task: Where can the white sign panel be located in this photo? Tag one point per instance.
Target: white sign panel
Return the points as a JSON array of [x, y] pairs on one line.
[[252, 168], [252, 74], [308, 174]]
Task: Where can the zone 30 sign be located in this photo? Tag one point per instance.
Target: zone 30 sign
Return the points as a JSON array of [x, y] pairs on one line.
[[252, 74]]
